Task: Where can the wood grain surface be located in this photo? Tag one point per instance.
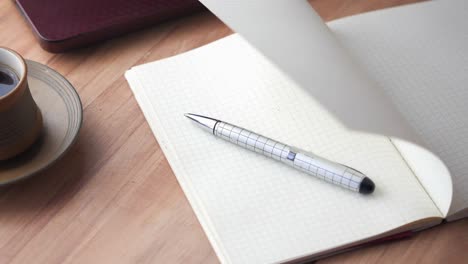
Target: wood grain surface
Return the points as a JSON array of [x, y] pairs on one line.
[[113, 198]]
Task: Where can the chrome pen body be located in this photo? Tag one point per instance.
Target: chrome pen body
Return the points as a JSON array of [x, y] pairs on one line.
[[309, 163]]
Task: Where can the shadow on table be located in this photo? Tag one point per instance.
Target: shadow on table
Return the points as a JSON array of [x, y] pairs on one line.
[[49, 189]]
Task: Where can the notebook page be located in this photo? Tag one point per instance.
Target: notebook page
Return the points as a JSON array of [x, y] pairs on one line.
[[254, 209], [419, 55], [294, 47]]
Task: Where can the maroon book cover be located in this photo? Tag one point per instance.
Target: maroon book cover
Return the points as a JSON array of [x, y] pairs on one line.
[[61, 25]]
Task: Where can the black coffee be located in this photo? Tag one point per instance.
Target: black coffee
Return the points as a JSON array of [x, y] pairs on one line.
[[8, 79]]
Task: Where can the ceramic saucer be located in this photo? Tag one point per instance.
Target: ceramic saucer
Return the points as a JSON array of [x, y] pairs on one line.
[[62, 117]]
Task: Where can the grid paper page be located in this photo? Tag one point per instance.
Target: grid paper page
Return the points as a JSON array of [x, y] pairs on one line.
[[419, 55], [254, 209]]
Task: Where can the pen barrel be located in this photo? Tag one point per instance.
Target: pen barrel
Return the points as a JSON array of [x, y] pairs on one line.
[[321, 168], [251, 141], [329, 171]]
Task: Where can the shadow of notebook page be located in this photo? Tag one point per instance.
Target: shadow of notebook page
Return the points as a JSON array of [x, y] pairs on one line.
[[304, 48], [420, 59], [308, 52]]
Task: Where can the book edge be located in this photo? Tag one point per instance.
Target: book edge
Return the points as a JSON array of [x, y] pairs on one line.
[[190, 195]]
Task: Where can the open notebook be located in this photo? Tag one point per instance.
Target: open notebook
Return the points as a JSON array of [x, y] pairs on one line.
[[256, 210]]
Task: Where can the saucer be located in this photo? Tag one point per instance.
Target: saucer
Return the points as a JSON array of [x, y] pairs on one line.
[[62, 115]]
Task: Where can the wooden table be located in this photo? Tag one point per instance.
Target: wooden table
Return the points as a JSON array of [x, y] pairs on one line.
[[113, 198]]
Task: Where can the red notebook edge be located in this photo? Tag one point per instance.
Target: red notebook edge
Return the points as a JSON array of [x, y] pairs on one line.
[[86, 38], [359, 245], [378, 241]]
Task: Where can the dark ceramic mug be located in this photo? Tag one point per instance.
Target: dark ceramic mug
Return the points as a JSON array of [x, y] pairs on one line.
[[20, 118]]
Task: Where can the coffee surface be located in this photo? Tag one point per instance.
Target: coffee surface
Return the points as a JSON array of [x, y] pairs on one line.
[[8, 80]]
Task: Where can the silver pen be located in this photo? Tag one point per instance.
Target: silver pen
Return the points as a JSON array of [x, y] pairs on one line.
[[321, 168]]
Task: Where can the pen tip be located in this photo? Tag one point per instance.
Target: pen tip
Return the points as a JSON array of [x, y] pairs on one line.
[[191, 116]]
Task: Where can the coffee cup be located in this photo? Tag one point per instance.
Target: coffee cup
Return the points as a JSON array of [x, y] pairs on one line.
[[20, 118]]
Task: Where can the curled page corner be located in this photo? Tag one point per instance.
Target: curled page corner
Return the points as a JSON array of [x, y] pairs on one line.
[[432, 173], [293, 37]]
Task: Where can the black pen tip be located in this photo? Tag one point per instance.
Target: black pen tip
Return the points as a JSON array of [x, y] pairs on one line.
[[367, 186]]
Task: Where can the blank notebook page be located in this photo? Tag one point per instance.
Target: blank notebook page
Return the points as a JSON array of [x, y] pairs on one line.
[[419, 55], [255, 209]]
